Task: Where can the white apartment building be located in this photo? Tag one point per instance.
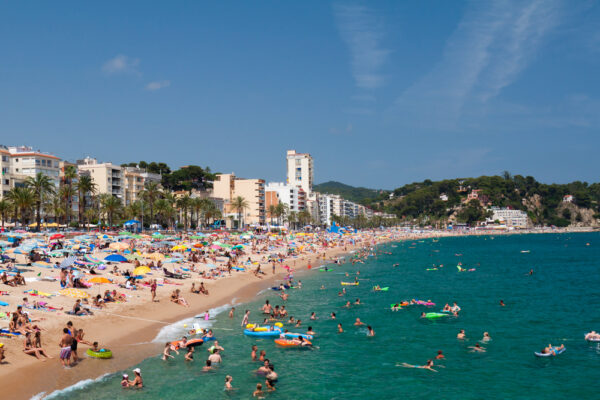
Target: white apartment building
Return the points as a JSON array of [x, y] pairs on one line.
[[21, 162], [293, 196], [300, 171], [109, 178], [510, 218]]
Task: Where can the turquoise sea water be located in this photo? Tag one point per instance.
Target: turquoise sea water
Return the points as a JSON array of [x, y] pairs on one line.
[[558, 304]]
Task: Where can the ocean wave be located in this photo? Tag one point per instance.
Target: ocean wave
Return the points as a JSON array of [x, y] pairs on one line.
[[79, 385], [180, 328]]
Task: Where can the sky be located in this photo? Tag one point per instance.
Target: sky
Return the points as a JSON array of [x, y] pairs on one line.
[[381, 93]]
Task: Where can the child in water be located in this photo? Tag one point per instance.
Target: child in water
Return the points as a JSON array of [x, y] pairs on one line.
[[125, 381]]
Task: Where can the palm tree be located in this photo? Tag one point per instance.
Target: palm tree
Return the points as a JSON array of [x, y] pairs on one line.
[[5, 208], [85, 187], [66, 193], [70, 174], [151, 194], [239, 204], [303, 217], [41, 186], [22, 200], [54, 206], [183, 204], [272, 212], [281, 211], [110, 205], [292, 219], [165, 211], [133, 210]]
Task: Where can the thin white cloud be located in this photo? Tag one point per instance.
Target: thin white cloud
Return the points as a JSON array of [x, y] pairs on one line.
[[362, 31], [157, 85], [121, 64], [492, 45]]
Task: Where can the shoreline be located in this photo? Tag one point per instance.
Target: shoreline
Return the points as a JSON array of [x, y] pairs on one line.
[[140, 324]]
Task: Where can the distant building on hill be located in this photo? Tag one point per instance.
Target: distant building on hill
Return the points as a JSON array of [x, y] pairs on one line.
[[568, 198], [509, 217]]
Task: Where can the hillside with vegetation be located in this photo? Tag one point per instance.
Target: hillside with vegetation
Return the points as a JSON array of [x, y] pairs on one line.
[[434, 202], [360, 195]]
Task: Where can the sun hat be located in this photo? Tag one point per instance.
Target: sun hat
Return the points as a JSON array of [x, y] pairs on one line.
[[137, 370]]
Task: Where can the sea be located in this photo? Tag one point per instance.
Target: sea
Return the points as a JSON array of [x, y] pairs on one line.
[[555, 305]]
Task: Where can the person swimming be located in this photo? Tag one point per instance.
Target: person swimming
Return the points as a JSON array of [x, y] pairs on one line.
[[461, 335], [429, 366], [477, 348]]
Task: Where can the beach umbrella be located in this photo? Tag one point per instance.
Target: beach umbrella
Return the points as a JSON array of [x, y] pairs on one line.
[[118, 246], [75, 293], [67, 262], [115, 258], [42, 264], [99, 279], [178, 247], [57, 236], [92, 259], [143, 270], [155, 256], [215, 247]]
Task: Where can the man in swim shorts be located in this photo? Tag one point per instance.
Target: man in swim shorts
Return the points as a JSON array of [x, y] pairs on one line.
[[65, 348]]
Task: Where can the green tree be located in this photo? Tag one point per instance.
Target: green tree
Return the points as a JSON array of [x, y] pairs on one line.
[[5, 208], [472, 213], [183, 204], [65, 195], [85, 187], [239, 204], [22, 199], [41, 186], [110, 206], [70, 174], [55, 207], [151, 194]]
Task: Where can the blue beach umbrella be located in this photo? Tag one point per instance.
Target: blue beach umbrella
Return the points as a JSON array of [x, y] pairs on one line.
[[115, 258]]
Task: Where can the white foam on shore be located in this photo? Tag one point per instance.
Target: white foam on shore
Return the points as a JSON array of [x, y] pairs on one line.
[[77, 386], [181, 328]]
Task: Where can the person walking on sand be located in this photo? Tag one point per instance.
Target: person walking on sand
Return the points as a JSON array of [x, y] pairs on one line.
[[153, 290], [65, 348]]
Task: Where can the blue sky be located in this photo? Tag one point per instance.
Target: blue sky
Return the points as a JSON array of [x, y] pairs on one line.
[[380, 93]]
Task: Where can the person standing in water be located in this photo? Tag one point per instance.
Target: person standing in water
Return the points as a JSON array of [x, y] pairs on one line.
[[245, 319]]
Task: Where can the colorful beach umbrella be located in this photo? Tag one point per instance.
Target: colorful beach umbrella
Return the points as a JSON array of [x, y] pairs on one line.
[[115, 258], [99, 279], [75, 293], [143, 270]]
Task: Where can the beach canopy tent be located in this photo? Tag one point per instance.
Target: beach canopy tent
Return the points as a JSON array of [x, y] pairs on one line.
[[115, 258], [131, 222]]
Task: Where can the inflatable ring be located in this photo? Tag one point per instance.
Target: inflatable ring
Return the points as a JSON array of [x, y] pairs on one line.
[[249, 326], [279, 324], [103, 353]]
